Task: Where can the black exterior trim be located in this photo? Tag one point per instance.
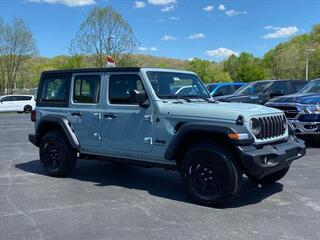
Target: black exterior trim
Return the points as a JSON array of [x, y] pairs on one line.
[[63, 123], [44, 103], [279, 155], [92, 70], [205, 128]]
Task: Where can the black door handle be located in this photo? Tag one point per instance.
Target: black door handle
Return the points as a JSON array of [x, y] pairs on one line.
[[76, 114], [110, 115]]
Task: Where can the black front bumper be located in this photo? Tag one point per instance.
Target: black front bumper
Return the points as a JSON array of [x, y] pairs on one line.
[[260, 161]]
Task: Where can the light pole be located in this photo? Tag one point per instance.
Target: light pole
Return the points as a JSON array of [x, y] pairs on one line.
[[110, 37], [307, 61]]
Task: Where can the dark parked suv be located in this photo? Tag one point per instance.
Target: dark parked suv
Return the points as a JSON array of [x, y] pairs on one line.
[[302, 109], [262, 91]]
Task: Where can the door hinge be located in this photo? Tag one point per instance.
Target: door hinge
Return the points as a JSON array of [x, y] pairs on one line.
[[148, 140], [148, 118]]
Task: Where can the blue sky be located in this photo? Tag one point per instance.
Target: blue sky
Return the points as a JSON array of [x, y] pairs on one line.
[[174, 28]]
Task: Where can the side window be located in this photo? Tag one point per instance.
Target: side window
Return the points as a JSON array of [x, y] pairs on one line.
[[86, 89], [224, 90], [282, 86], [120, 87], [23, 98], [7, 99], [297, 86], [54, 89]]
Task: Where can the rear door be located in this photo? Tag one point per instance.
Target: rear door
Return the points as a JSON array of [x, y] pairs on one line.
[[85, 109]]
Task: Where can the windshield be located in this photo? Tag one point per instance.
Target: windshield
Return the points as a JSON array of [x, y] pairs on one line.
[[311, 87], [177, 85], [254, 88]]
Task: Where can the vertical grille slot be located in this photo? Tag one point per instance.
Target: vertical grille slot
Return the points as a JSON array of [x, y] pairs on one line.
[[271, 126]]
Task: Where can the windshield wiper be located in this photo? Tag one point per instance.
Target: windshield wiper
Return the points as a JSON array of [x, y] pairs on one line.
[[177, 97], [203, 98]]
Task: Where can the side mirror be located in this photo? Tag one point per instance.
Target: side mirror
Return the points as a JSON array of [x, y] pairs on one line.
[[139, 97], [276, 93]]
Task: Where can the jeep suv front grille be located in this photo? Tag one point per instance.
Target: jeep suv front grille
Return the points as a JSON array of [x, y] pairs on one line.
[[271, 126], [289, 111]]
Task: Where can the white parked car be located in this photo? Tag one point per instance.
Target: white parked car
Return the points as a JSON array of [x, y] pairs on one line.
[[17, 103]]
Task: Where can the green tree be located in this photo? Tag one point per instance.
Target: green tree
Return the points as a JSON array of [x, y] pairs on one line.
[[200, 67], [16, 45], [103, 33], [245, 68]]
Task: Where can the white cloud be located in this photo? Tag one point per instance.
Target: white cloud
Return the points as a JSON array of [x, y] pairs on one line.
[[208, 8], [161, 2], [196, 36], [268, 27], [222, 7], [231, 13], [139, 4], [281, 32], [191, 59], [168, 38], [174, 18], [167, 8], [142, 49], [159, 21], [69, 3], [220, 53]]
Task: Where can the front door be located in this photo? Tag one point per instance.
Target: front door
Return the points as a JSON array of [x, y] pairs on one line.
[[85, 109], [126, 127]]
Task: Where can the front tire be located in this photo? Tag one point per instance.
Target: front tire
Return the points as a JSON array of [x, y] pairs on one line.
[[56, 155], [210, 175], [271, 178]]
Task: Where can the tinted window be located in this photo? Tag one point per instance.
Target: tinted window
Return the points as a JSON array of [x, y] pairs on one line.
[[54, 89], [120, 87], [23, 98], [297, 86], [281, 86], [86, 89], [7, 99], [225, 90], [211, 87]]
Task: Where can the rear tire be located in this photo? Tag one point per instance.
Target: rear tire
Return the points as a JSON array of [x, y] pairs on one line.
[[210, 175], [56, 155], [27, 109], [271, 178]]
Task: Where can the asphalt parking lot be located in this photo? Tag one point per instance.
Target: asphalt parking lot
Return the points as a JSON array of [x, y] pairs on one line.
[[108, 201]]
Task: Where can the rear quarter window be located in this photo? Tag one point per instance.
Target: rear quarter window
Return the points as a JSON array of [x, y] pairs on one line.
[[55, 90]]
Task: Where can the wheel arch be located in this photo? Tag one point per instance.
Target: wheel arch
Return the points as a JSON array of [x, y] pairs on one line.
[[56, 122], [191, 133]]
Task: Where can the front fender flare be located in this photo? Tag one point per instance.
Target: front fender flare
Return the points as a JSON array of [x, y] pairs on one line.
[[206, 128]]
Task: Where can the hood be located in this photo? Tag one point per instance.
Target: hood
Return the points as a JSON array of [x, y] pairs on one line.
[[303, 98], [257, 99], [219, 111]]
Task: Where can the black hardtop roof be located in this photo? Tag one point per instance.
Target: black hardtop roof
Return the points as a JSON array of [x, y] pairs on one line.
[[88, 70]]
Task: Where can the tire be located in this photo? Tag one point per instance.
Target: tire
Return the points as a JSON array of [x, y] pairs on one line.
[[58, 158], [271, 178], [27, 109], [210, 175]]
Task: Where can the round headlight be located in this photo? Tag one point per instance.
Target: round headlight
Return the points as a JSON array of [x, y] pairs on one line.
[[255, 126]]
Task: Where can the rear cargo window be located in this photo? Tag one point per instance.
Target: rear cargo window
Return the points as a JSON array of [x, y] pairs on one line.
[[54, 89]]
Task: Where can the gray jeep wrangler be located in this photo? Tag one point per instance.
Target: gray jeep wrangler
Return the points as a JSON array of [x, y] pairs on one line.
[[135, 115]]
